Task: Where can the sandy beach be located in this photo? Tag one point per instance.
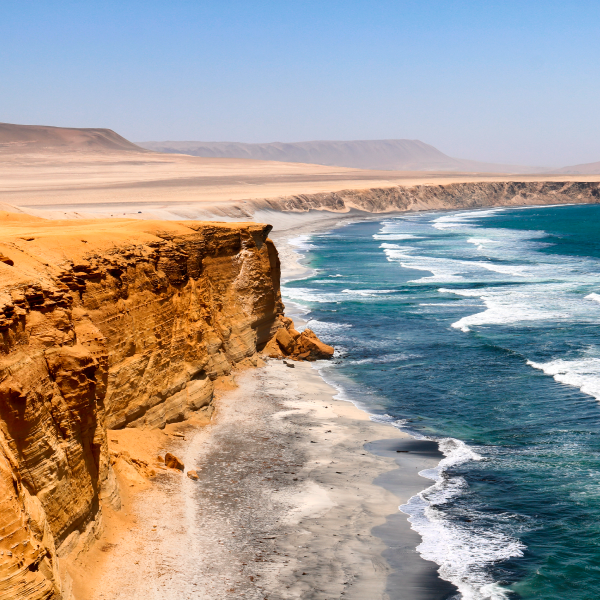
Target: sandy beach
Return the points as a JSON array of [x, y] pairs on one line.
[[297, 496]]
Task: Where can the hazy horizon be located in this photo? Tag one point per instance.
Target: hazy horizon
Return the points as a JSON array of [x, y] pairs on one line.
[[307, 142], [501, 82]]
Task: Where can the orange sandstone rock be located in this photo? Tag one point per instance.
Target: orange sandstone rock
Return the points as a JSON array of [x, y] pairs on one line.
[[272, 349], [107, 324], [287, 342], [308, 345], [173, 462]]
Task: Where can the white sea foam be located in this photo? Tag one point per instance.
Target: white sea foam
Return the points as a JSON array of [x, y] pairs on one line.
[[367, 293], [583, 373], [593, 296], [395, 236], [331, 333], [302, 242], [463, 552], [510, 306], [389, 420], [454, 304], [313, 295], [450, 269], [310, 295], [514, 270], [327, 326], [482, 241], [391, 226], [446, 270], [460, 219], [386, 358], [442, 269]]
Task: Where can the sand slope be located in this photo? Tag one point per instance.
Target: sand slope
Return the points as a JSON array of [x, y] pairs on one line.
[[72, 173]]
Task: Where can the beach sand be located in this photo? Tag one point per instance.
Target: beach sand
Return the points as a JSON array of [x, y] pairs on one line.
[[297, 497]]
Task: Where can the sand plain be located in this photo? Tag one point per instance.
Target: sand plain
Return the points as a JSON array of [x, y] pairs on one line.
[[284, 508], [82, 183]]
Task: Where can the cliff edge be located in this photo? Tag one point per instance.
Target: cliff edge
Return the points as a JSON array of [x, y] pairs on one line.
[[106, 325]]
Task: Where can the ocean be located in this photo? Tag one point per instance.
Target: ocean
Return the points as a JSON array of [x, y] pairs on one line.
[[480, 330]]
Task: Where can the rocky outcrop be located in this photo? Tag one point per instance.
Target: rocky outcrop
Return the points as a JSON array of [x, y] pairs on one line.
[[450, 196], [106, 326], [288, 342], [172, 462]]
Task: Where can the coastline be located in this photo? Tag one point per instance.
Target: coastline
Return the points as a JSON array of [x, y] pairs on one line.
[[409, 578], [297, 497]]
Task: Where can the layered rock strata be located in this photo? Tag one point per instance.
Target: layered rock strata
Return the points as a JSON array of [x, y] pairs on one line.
[[449, 196], [109, 325]]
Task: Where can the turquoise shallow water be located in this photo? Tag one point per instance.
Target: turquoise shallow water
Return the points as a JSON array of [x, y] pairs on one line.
[[480, 329]]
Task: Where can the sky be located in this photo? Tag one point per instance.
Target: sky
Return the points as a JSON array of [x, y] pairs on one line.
[[506, 81]]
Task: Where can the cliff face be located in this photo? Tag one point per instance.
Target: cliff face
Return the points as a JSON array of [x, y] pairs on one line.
[[450, 196], [109, 325]]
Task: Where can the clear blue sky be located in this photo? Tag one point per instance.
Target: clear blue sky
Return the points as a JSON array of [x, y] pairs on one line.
[[504, 81]]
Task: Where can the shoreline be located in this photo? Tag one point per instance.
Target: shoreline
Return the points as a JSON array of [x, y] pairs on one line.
[[291, 484], [413, 579], [330, 478]]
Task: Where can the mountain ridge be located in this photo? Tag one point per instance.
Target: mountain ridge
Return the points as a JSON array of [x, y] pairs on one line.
[[36, 138], [387, 155], [383, 155], [592, 168]]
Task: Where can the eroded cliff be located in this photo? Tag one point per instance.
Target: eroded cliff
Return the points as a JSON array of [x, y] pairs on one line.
[[109, 325], [450, 196]]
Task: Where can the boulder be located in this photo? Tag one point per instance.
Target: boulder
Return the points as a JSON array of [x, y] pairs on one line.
[[285, 341], [310, 347], [173, 462], [272, 349], [288, 342], [192, 475]]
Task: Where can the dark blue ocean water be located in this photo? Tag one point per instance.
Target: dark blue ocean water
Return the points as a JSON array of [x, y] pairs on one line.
[[480, 329]]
